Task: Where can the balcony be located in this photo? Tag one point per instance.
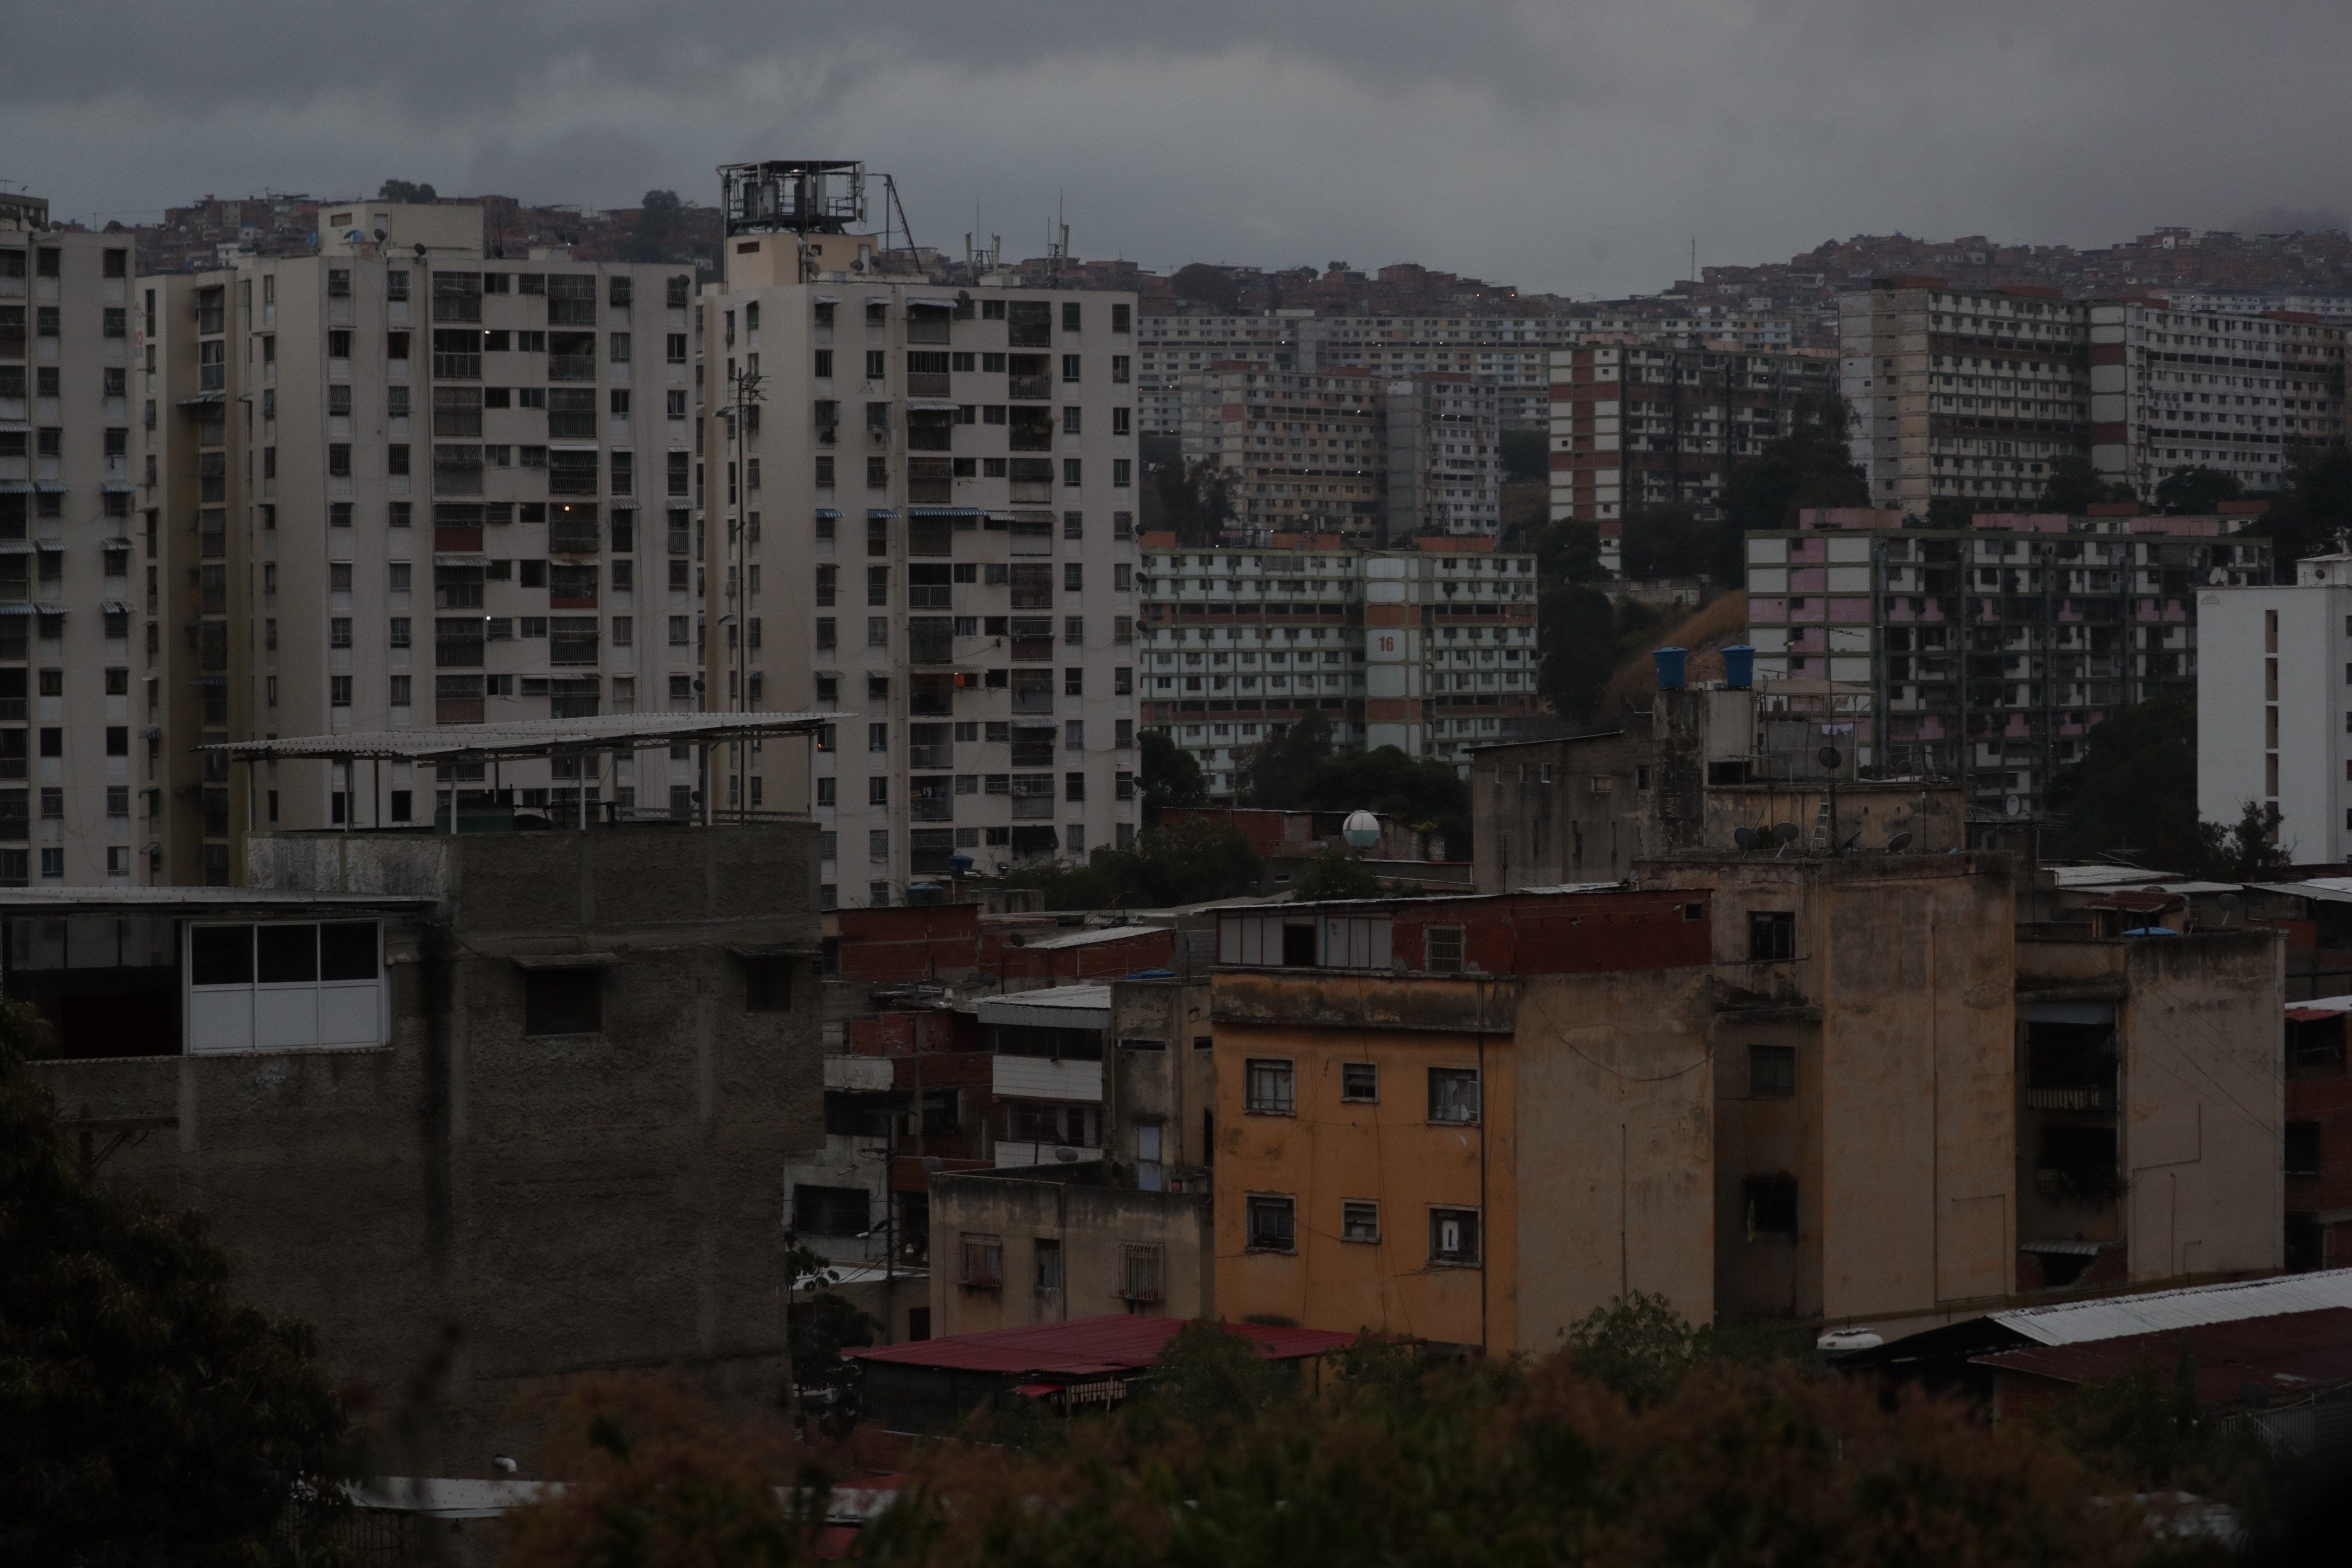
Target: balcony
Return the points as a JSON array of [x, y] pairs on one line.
[[932, 807], [1033, 388], [564, 367], [574, 539], [458, 709], [457, 367], [938, 754], [928, 385], [2102, 1100], [458, 539], [1037, 807]]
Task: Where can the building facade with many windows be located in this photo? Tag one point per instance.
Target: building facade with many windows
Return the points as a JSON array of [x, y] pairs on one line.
[[433, 488], [1430, 649], [81, 762], [921, 517]]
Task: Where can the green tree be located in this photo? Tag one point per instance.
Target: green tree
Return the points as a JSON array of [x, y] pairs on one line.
[[2073, 487], [145, 1415], [2314, 514], [1207, 285], [1170, 776], [1811, 466], [1188, 862], [1950, 512], [1335, 873], [2134, 791], [823, 1327], [2248, 847], [2195, 491], [658, 233], [1428, 796], [1191, 501], [1526, 456], [402, 191], [1276, 774], [1674, 542]]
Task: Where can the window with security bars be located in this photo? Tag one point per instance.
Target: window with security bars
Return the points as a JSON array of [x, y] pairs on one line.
[[1441, 950], [1273, 1223], [1140, 1274], [983, 1262], [1454, 1095]]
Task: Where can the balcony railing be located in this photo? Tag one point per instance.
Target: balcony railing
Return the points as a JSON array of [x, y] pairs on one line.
[[2094, 1099], [458, 539], [931, 808], [940, 754], [457, 367], [1035, 388], [927, 384], [458, 709], [568, 367]]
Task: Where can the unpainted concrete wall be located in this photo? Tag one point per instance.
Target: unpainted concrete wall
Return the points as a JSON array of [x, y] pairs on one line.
[[1614, 1133], [492, 1215], [1559, 811]]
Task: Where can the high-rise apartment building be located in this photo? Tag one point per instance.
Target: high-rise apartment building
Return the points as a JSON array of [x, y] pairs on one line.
[[1430, 649], [80, 758], [2274, 707], [423, 486], [1990, 652], [1349, 451], [2186, 389], [1966, 396], [1643, 422], [922, 517]]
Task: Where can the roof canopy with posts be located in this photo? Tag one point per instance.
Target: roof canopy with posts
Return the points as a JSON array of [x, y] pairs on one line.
[[531, 739]]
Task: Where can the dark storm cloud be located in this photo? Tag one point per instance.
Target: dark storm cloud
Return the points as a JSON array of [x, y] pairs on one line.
[[1575, 145]]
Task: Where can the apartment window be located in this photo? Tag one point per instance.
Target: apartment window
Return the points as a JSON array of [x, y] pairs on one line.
[[1360, 1221], [1269, 1085], [1771, 936], [1771, 1072], [830, 1211], [1046, 1259], [1122, 473], [983, 1262], [339, 632], [1772, 1205], [2302, 1149], [1441, 950], [339, 691], [1142, 1273], [566, 1001], [1073, 472], [1454, 1095], [1273, 1223], [1359, 1081], [1454, 1237]]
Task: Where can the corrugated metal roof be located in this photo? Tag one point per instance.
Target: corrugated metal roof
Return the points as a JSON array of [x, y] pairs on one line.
[[2285, 1354], [1087, 1347], [1089, 938], [2326, 889], [1050, 1007], [529, 737], [2079, 1322]]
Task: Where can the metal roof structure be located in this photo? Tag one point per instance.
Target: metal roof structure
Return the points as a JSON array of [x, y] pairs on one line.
[[1051, 1007], [59, 902], [529, 737], [2286, 1355], [1089, 1347], [1090, 938], [2326, 889], [2114, 1317]]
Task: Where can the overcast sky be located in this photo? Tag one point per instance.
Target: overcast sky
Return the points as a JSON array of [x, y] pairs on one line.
[[1579, 145]]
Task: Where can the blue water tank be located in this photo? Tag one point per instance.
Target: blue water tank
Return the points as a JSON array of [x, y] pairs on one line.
[[1739, 667], [1670, 668]]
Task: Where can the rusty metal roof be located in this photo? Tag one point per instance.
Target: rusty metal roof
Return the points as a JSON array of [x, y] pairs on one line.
[[1087, 1347], [2286, 1355]]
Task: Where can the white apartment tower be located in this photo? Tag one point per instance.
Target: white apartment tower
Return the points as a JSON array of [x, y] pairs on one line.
[[2274, 707], [80, 785], [451, 489], [922, 519]]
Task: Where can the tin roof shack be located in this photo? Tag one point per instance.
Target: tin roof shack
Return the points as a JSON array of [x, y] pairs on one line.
[[2289, 1359], [1088, 1362], [1714, 762], [1469, 1120], [561, 1127], [2150, 1105], [1038, 1242], [1861, 1030], [2318, 1136], [2315, 914]]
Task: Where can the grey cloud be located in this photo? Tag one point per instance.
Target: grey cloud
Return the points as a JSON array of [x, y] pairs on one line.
[[1577, 144]]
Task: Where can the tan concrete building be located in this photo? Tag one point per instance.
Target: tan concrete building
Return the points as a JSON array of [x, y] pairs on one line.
[[79, 789], [927, 520], [431, 487], [1127, 1225]]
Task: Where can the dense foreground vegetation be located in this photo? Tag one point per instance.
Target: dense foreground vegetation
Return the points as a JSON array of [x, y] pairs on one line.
[[1642, 1442]]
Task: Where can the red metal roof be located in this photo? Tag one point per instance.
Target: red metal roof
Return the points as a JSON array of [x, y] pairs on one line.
[[2287, 1354], [1087, 1347]]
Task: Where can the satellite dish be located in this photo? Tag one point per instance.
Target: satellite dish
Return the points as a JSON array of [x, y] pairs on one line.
[[1067, 1156], [2217, 577], [1899, 843], [1850, 842], [1745, 838], [2013, 805], [1830, 757], [381, 236], [1785, 832], [2225, 909]]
